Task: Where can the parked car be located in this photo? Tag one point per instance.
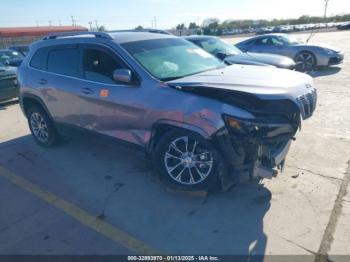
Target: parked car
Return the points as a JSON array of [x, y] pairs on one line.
[[344, 26], [299, 28], [264, 30], [8, 82], [14, 58], [22, 49], [307, 56], [197, 117], [232, 55]]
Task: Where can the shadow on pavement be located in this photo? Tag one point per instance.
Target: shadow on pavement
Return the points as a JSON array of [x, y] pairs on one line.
[[118, 183], [326, 71]]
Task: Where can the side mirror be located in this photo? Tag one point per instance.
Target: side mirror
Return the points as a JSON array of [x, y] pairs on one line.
[[221, 56], [122, 75]]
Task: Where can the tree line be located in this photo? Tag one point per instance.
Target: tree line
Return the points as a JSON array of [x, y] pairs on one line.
[[214, 26]]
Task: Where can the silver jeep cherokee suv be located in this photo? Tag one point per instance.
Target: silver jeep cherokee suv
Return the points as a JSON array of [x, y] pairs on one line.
[[198, 118]]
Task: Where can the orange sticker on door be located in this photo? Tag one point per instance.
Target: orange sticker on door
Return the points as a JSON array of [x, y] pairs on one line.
[[104, 93]]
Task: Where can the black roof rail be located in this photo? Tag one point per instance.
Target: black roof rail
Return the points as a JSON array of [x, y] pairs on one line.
[[77, 33]]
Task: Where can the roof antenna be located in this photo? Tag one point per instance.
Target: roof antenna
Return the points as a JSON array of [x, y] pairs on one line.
[[311, 35]]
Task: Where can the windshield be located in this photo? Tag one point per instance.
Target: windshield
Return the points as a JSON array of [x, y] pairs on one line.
[[215, 46], [171, 58], [10, 54]]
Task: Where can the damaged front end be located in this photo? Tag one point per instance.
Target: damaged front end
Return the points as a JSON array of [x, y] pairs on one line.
[[256, 147]]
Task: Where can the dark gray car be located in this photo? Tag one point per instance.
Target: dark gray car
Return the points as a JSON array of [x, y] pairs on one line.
[[307, 56], [233, 55], [199, 119], [14, 58], [8, 82]]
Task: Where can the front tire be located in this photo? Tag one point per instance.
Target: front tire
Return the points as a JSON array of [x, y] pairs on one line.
[[305, 62], [187, 161], [42, 127]]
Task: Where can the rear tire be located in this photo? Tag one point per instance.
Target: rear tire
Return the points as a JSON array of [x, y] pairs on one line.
[[42, 127], [187, 161]]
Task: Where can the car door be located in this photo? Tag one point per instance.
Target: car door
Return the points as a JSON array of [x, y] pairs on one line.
[[107, 106], [57, 77]]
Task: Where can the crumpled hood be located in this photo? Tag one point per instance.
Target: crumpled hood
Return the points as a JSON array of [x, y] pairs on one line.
[[265, 82]]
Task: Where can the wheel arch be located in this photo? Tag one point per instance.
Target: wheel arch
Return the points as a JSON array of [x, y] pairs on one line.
[[161, 127], [28, 100]]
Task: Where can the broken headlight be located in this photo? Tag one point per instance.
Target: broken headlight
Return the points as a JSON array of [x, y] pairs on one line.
[[240, 126], [257, 126]]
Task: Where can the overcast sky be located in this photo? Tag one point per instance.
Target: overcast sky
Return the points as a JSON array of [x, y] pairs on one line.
[[125, 14]]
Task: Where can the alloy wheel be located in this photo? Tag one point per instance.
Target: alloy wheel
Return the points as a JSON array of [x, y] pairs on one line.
[[187, 161], [39, 127], [305, 62]]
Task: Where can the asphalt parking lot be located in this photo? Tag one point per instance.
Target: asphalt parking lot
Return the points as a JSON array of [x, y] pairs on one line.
[[90, 197]]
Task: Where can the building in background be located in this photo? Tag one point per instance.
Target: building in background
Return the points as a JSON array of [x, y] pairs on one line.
[[25, 35]]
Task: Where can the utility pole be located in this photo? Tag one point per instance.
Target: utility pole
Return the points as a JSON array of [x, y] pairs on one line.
[[90, 23], [73, 21], [325, 8], [96, 24], [50, 23], [155, 22]]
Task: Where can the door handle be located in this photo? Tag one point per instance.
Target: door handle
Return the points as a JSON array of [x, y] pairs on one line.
[[42, 81], [87, 91]]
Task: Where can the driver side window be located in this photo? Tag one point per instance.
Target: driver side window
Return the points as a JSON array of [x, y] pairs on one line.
[[264, 41], [276, 42], [99, 66]]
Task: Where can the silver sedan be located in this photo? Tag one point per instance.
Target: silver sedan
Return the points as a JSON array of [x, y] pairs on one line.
[[306, 55]]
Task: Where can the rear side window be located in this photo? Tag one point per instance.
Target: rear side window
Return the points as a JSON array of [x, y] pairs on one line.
[[64, 61], [39, 60]]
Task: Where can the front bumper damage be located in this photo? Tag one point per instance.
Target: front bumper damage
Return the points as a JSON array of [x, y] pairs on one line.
[[260, 152]]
